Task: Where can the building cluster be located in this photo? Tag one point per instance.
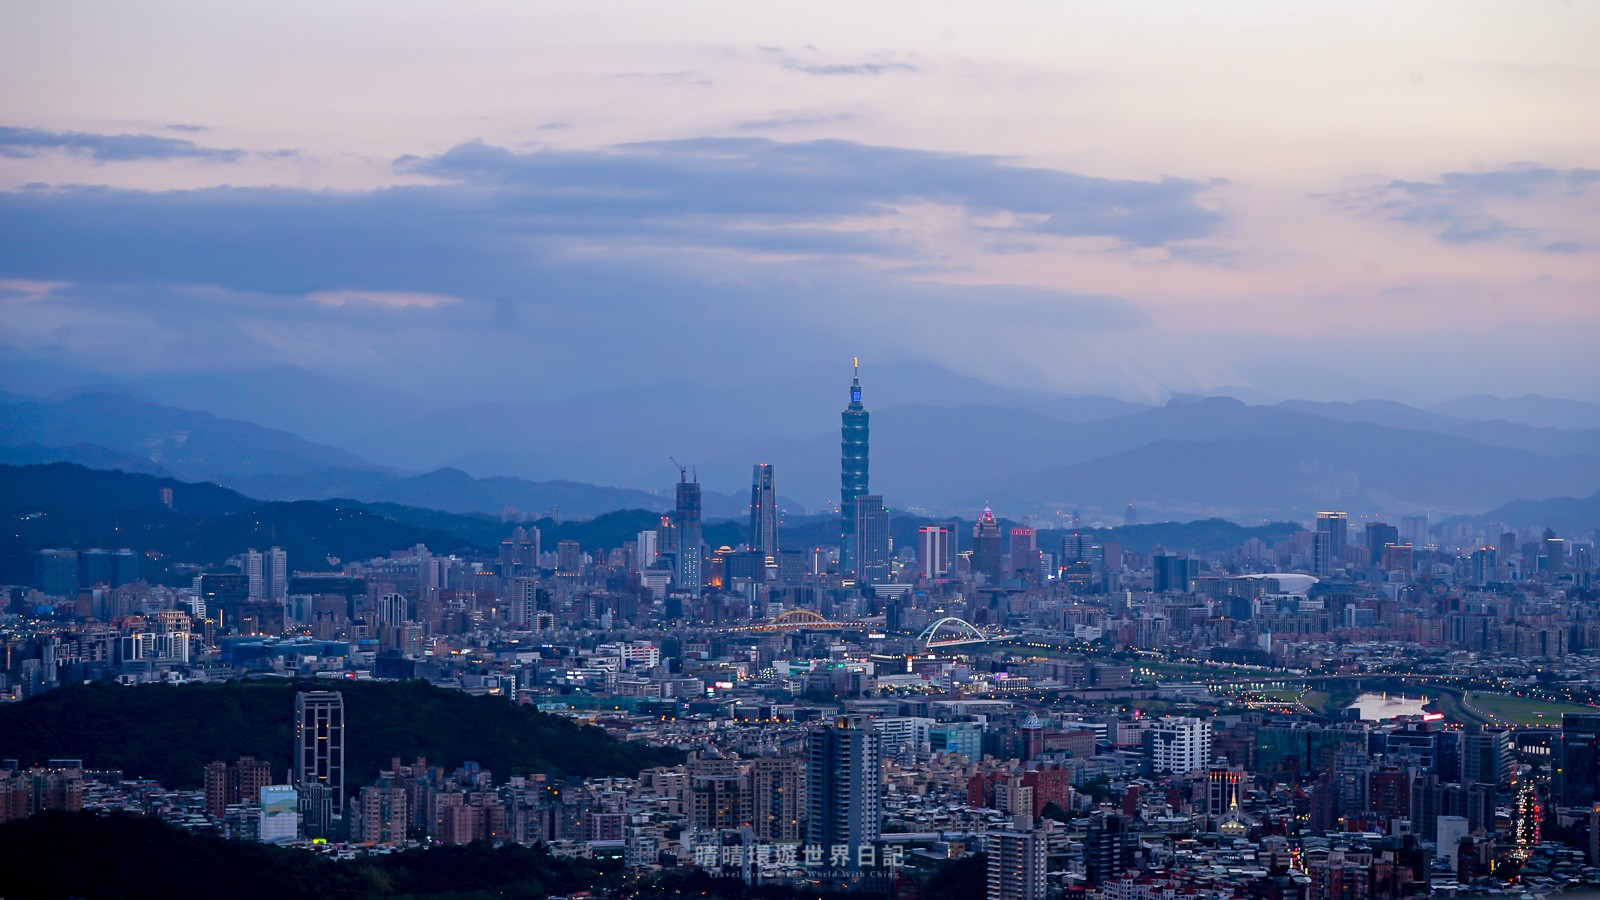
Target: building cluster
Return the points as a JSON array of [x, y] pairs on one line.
[[1129, 722]]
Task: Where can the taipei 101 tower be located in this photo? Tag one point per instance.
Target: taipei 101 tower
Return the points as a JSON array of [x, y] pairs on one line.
[[852, 471]]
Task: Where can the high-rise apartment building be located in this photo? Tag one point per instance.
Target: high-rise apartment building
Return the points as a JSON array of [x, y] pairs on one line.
[[1016, 867], [646, 549], [319, 741], [764, 514], [1485, 566], [853, 444], [275, 574], [569, 559], [382, 814], [226, 785], [843, 785], [253, 564], [872, 540], [1178, 744], [686, 530], [1108, 847], [777, 798]]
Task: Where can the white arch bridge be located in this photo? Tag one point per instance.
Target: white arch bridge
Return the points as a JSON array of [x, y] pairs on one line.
[[953, 632]]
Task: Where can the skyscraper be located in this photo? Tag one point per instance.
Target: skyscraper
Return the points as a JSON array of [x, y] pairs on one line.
[[275, 574], [843, 776], [319, 740], [1328, 544], [933, 551], [253, 565], [1578, 769], [1379, 537], [1024, 553], [872, 540], [852, 470], [1172, 572], [686, 528], [764, 514], [986, 546]]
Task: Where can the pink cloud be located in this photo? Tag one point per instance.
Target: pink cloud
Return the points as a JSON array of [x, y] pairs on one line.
[[397, 299]]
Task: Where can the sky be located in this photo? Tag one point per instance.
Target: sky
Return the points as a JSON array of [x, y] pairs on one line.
[[537, 200]]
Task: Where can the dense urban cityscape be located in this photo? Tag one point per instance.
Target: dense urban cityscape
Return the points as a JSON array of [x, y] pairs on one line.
[[1333, 714], [1034, 450]]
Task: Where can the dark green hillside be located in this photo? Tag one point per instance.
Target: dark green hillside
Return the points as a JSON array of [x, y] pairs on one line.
[[65, 505], [169, 733], [61, 855], [33, 488]]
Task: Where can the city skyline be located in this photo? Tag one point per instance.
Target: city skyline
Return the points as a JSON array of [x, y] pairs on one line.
[[1215, 512], [1067, 198]]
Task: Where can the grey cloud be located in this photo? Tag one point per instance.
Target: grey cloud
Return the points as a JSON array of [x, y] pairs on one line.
[[25, 142], [626, 252], [191, 129], [1518, 180], [501, 213], [1455, 208], [762, 181]]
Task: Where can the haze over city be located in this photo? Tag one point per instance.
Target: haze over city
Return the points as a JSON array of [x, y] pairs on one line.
[[828, 451]]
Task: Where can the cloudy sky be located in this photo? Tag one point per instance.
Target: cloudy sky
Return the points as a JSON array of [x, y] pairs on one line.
[[536, 200]]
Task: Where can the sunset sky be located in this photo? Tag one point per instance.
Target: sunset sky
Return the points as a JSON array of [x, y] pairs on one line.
[[1333, 201]]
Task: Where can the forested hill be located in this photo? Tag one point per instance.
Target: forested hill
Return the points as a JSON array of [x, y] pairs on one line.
[[62, 855], [65, 505], [170, 732]]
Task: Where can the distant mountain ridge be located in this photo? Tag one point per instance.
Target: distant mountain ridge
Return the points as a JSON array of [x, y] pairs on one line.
[[1569, 516], [104, 430], [941, 443]]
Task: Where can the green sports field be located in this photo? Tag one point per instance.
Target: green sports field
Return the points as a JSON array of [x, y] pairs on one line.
[[1525, 711]]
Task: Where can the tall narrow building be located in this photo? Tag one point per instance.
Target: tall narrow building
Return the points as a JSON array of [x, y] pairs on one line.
[[872, 540], [1016, 866], [852, 470], [686, 527], [275, 574], [933, 551], [1329, 542], [843, 775], [764, 514], [986, 546], [319, 760]]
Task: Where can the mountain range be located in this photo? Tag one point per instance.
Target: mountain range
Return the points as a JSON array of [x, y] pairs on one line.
[[173, 526], [942, 444]]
